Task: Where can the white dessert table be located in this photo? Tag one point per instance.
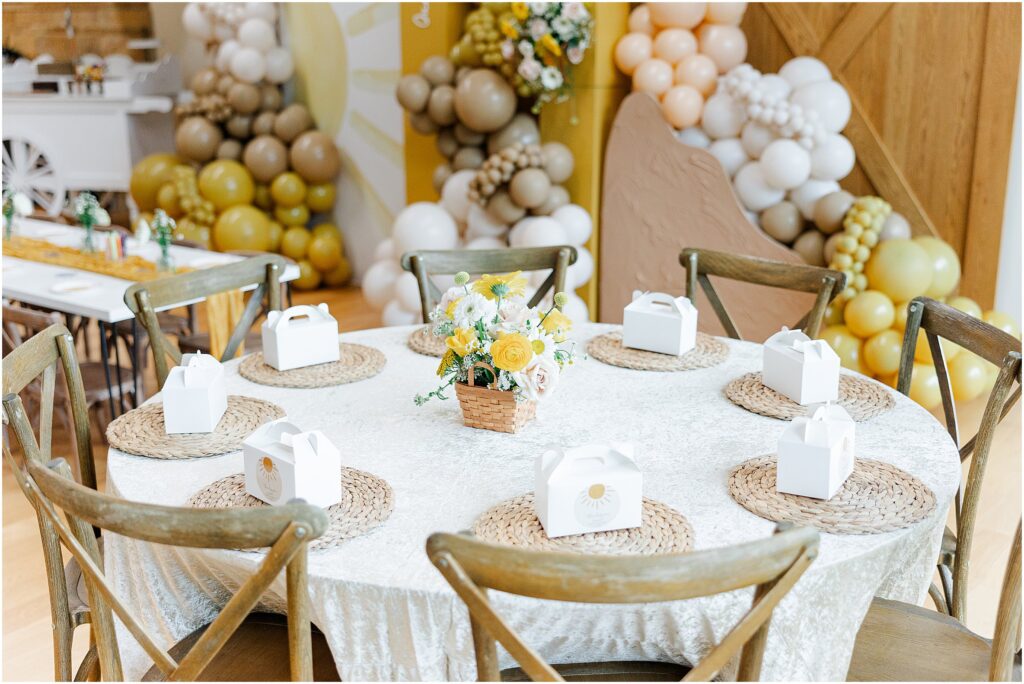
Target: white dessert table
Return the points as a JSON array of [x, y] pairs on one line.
[[389, 615]]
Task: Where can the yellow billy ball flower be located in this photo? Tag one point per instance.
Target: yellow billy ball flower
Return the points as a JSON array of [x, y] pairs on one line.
[[461, 278], [462, 341], [557, 324], [561, 299], [511, 352]]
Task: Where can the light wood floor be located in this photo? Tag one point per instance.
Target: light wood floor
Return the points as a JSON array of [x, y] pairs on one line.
[[27, 645]]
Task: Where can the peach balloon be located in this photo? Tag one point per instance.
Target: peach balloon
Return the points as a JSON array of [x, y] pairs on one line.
[[682, 106], [677, 14], [698, 71], [674, 44], [653, 76], [640, 21], [730, 13], [632, 50], [726, 45]]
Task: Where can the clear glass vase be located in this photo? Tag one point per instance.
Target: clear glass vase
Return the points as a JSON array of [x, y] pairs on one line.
[[89, 243]]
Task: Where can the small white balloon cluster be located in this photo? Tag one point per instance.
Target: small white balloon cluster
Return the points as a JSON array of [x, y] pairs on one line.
[[243, 38]]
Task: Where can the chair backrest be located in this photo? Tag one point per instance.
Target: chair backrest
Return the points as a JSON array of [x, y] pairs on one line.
[[423, 264], [771, 565], [20, 323], [701, 263], [144, 299], [286, 530], [1006, 641], [995, 346]]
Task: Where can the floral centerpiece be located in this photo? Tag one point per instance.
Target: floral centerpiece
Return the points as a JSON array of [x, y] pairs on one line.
[[494, 339], [15, 205], [543, 40], [164, 226], [90, 214]]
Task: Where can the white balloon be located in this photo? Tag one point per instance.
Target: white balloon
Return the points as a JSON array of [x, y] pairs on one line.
[[407, 291], [723, 116], [484, 242], [394, 314], [260, 10], [280, 66], [443, 281], [225, 52], [729, 151], [248, 65], [385, 249], [424, 225], [537, 278], [833, 158], [755, 138], [537, 231], [582, 271], [753, 217], [828, 99], [694, 137], [800, 71], [455, 193], [774, 86], [754, 193], [785, 164], [809, 193], [576, 222], [576, 309], [222, 32], [379, 282], [257, 34], [480, 223], [196, 23]]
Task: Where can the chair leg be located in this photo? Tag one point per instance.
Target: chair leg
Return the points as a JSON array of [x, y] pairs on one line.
[[946, 575], [937, 598], [89, 668]]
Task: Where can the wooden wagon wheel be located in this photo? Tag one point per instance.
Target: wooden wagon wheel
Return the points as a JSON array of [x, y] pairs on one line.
[[28, 169]]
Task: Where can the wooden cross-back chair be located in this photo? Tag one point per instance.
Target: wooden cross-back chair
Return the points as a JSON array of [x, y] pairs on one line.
[[263, 272], [424, 264], [940, 321], [701, 263], [902, 642], [772, 565]]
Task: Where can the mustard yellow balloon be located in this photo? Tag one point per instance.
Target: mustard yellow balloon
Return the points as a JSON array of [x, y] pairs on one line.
[[965, 304], [330, 230], [324, 252], [167, 199], [295, 242], [288, 189], [292, 216], [968, 376], [900, 321], [227, 184], [1002, 321], [148, 177], [892, 380], [309, 278], [868, 313], [833, 314], [339, 275], [924, 386], [846, 345], [320, 197], [242, 227], [945, 266], [882, 352], [262, 197], [276, 233], [923, 352], [901, 269]]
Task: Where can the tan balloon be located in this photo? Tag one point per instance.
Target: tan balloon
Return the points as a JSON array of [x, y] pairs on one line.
[[698, 71], [239, 127], [270, 98], [423, 124], [829, 250], [558, 197], [529, 188], [441, 106], [224, 84], [447, 145], [484, 101], [467, 136], [315, 157], [782, 221], [830, 210], [292, 122], [413, 93], [441, 174], [230, 149], [263, 124], [468, 158], [197, 139], [521, 129], [503, 209], [438, 70], [266, 157], [205, 81], [244, 98], [558, 161], [811, 246]]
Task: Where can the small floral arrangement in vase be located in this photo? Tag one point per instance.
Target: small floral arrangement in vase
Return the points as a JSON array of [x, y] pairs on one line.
[[164, 226], [502, 356], [15, 205], [543, 41], [90, 214]]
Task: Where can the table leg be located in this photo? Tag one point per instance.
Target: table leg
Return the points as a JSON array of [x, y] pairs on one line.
[[106, 367], [136, 367], [117, 365]]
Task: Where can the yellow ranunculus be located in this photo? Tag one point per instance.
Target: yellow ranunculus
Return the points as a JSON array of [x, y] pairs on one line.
[[463, 341], [508, 30], [551, 45], [511, 352], [520, 10], [557, 324], [446, 361], [450, 310], [503, 286]]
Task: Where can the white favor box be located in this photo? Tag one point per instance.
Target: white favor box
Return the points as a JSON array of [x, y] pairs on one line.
[[194, 395], [282, 463], [590, 488], [805, 370], [659, 322], [300, 336], [816, 453]]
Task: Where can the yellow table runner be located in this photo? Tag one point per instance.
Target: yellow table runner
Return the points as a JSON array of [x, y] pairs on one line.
[[222, 310]]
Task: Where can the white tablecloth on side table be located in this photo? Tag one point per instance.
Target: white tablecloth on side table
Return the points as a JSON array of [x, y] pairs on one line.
[[389, 615]]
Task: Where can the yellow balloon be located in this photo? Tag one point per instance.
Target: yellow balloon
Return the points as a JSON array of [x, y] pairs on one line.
[[846, 345], [882, 352], [262, 198], [965, 304], [945, 266], [276, 233], [227, 184], [242, 227], [309, 277], [339, 275], [924, 386], [891, 380], [320, 197], [868, 313], [292, 216], [1002, 321], [295, 242], [324, 252], [330, 230], [900, 268], [833, 314], [900, 321], [288, 189], [923, 353], [148, 176], [968, 376], [167, 199]]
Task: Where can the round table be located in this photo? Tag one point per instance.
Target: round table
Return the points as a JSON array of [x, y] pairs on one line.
[[389, 615]]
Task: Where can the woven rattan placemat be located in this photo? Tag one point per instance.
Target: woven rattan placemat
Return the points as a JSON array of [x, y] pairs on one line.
[[608, 348], [862, 398], [513, 522], [877, 497], [141, 430], [356, 362], [424, 341], [366, 502]]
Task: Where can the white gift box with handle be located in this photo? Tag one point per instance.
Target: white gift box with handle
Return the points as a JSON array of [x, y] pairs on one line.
[[194, 395], [805, 370], [591, 488], [659, 322], [300, 336], [816, 453], [282, 462]]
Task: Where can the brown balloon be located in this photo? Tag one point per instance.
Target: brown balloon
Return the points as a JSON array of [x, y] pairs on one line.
[[441, 106], [782, 221], [467, 136], [811, 246], [441, 174], [447, 145], [502, 208], [422, 123], [438, 70], [244, 98], [270, 98], [484, 101], [529, 188], [239, 127], [315, 157], [558, 161], [197, 139], [205, 81], [521, 129], [468, 158], [558, 197], [292, 122], [224, 84], [266, 157], [263, 124], [413, 93], [230, 149]]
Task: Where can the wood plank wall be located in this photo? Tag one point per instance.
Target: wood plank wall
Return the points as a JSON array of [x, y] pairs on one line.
[[34, 28]]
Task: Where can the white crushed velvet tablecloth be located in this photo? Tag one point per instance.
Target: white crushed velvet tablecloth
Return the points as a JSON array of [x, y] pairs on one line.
[[389, 615]]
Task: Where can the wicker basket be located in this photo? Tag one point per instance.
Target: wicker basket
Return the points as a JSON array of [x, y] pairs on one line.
[[488, 408]]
